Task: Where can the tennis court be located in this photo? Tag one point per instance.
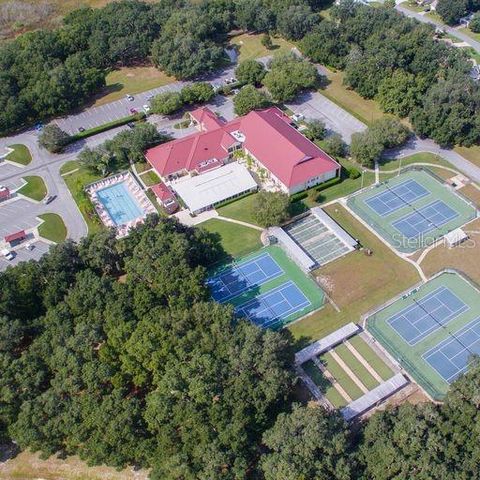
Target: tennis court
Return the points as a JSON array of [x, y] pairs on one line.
[[396, 197], [317, 239], [450, 358], [425, 219], [412, 210], [432, 331], [266, 287], [241, 277], [275, 305], [427, 314]]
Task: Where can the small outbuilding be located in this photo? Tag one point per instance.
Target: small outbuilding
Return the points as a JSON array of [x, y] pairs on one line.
[[455, 237]]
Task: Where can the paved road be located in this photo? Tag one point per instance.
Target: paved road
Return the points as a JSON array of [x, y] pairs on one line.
[[313, 105], [452, 31]]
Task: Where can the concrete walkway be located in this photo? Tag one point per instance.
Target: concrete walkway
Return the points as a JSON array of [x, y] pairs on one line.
[[332, 380], [239, 222]]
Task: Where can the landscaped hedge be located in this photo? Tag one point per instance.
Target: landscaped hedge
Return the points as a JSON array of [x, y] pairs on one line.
[[318, 188], [107, 126]]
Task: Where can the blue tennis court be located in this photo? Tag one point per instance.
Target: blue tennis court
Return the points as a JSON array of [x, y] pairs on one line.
[[275, 305], [450, 358], [396, 197], [425, 219], [241, 277], [427, 315]]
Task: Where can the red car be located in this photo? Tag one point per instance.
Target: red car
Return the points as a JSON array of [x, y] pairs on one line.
[[133, 111]]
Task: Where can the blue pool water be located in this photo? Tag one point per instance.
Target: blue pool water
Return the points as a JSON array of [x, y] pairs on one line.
[[120, 203]]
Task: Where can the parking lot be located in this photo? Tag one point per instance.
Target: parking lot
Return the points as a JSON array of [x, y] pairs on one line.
[[23, 255]]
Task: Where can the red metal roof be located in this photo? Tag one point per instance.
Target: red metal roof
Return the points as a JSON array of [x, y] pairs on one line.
[[207, 120], [162, 192], [269, 137], [15, 236]]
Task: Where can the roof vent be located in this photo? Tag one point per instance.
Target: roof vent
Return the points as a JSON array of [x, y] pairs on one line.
[[238, 135]]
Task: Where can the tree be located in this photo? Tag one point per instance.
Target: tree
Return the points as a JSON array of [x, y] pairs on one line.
[[98, 159], [250, 71], [198, 92], [452, 11], [267, 41], [288, 75], [389, 131], [308, 443], [53, 138], [271, 208], [295, 21], [166, 103], [248, 99], [474, 24], [365, 148], [253, 15], [316, 129], [334, 145]]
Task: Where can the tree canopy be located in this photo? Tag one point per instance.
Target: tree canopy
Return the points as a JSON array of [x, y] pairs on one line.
[[248, 99]]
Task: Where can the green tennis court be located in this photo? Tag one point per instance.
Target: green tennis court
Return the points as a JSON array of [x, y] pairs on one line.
[[266, 287], [429, 330], [412, 210]]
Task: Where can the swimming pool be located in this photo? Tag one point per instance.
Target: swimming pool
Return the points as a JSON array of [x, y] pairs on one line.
[[120, 203]]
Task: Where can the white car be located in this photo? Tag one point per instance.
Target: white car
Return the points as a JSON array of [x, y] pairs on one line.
[[146, 108], [8, 254], [29, 246], [298, 117], [129, 97]]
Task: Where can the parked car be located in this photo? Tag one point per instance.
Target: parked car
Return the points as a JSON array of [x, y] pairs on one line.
[[146, 108], [49, 199], [235, 91], [298, 117], [131, 124], [8, 254], [151, 97], [29, 246], [133, 111], [81, 129], [129, 97]]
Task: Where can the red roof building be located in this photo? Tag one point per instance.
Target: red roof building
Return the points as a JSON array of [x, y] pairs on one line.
[[4, 193], [294, 163], [13, 237], [165, 197]]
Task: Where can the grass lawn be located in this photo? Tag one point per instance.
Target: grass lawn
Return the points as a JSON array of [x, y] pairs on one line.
[[76, 183], [356, 282], [364, 110], [463, 257], [242, 209], [131, 80], [472, 154], [35, 188], [413, 7], [21, 154], [356, 367], [423, 157], [142, 167], [371, 357], [52, 228], [150, 178], [237, 240], [324, 385], [467, 31], [28, 466], [69, 166], [250, 46]]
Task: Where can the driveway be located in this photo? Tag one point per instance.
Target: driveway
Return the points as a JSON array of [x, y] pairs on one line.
[[313, 105]]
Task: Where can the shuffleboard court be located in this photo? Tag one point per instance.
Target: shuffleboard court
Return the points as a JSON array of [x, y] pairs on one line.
[[275, 305], [427, 314], [426, 219], [412, 210], [243, 276], [450, 358], [396, 197]]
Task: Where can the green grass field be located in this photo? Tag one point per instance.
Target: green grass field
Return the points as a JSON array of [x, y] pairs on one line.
[[356, 367], [410, 356], [291, 272], [250, 46], [150, 178], [384, 225], [21, 154], [236, 240], [423, 157], [76, 182], [35, 188], [52, 228], [241, 209], [371, 357]]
